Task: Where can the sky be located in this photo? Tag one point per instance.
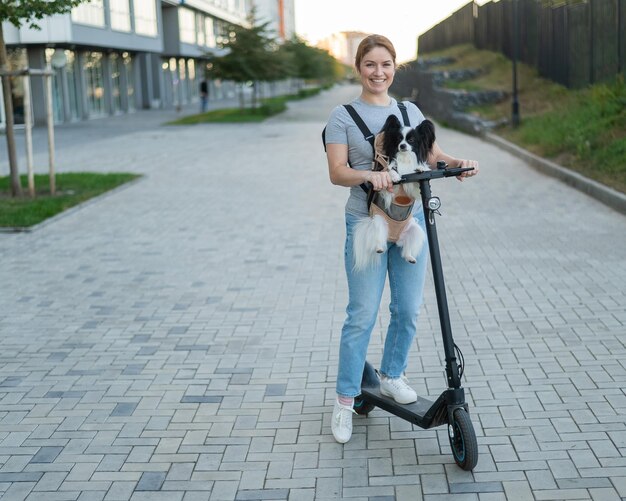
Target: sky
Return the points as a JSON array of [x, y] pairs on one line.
[[399, 20]]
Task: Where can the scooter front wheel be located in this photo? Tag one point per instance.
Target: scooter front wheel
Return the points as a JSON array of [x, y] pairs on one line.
[[463, 440]]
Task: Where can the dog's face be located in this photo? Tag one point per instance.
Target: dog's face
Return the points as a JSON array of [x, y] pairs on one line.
[[399, 139]]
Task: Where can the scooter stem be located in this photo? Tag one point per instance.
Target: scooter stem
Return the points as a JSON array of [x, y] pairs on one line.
[[452, 368]]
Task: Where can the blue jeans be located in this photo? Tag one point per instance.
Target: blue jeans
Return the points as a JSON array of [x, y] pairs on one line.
[[365, 289]]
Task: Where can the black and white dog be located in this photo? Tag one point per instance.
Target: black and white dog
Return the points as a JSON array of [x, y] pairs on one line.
[[406, 151]]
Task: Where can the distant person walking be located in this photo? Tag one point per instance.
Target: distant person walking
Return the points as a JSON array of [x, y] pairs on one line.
[[204, 95]]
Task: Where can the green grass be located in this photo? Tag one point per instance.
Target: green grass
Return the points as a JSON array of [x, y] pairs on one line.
[[267, 108], [71, 189], [581, 129]]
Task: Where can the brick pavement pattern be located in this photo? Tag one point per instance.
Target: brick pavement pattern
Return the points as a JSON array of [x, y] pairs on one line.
[[177, 339]]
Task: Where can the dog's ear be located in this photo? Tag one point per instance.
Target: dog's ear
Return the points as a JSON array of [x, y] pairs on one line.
[[392, 122], [426, 139], [427, 130], [391, 131]]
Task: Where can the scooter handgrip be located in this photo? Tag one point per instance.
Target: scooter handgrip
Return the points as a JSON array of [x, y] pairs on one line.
[[455, 171]]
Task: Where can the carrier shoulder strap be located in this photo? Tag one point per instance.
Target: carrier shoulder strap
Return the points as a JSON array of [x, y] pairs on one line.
[[369, 137], [405, 114]]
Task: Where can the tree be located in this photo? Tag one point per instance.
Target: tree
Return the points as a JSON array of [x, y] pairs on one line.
[[251, 56], [311, 63], [18, 13]]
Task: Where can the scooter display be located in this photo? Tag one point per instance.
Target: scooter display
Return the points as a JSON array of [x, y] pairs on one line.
[[450, 408]]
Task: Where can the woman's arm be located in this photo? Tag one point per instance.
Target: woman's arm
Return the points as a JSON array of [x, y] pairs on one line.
[[342, 175], [437, 155]]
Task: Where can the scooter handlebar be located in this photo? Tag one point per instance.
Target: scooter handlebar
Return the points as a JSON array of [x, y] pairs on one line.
[[433, 174]]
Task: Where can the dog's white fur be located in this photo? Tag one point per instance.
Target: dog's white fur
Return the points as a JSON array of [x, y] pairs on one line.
[[371, 233]]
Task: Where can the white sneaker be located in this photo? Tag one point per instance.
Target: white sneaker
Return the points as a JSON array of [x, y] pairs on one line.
[[398, 389], [342, 422]]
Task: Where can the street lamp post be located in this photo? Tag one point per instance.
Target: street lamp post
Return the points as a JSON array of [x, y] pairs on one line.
[[515, 34]]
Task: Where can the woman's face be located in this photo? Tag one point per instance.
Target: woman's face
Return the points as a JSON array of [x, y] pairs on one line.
[[376, 70]]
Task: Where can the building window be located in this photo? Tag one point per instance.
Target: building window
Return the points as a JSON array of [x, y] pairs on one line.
[[145, 17], [91, 13], [209, 32], [95, 83], [71, 69], [130, 79], [187, 25], [116, 84], [17, 60], [57, 88], [191, 75], [221, 31], [200, 29], [120, 15]]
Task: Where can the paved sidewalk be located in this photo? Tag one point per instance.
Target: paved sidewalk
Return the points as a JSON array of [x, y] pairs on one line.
[[178, 339]]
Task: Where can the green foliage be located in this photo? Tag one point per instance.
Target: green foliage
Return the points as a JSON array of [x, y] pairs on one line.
[[590, 133], [581, 129], [19, 12], [72, 189], [251, 55], [310, 63]]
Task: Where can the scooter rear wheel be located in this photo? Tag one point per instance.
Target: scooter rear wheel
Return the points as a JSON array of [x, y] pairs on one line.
[[362, 407], [463, 440]]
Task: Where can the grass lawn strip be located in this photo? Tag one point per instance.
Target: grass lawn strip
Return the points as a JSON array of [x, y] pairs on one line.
[[71, 189]]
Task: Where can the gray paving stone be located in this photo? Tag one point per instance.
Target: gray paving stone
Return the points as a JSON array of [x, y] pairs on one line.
[[179, 346], [46, 455], [151, 481]]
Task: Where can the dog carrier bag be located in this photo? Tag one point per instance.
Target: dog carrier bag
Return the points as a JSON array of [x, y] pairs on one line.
[[400, 211]]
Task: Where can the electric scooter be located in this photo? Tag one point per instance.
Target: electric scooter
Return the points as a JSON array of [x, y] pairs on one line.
[[450, 408]]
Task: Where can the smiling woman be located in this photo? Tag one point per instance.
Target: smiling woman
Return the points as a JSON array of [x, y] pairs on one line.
[[350, 155]]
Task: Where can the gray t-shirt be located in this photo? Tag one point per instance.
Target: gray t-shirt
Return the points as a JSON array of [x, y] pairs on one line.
[[341, 129]]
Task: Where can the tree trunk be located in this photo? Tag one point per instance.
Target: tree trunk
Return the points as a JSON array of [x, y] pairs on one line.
[[16, 186]]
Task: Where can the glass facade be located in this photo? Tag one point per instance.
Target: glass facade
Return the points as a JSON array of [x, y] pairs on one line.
[[18, 60], [116, 84], [94, 82], [71, 73], [130, 80], [96, 78], [57, 90], [191, 76]]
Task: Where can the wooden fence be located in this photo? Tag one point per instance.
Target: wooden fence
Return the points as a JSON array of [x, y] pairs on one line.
[[573, 42]]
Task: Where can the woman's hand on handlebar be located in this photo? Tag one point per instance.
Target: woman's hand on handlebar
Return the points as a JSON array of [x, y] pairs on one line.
[[469, 173], [380, 180]]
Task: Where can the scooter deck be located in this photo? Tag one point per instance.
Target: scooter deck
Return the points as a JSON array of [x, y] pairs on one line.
[[423, 413]]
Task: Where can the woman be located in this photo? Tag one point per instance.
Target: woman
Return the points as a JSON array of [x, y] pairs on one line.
[[349, 163]]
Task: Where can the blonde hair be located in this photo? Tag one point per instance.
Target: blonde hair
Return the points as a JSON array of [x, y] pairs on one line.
[[371, 42]]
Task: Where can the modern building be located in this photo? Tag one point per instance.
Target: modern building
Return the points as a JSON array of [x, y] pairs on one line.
[[115, 56], [343, 45], [280, 14]]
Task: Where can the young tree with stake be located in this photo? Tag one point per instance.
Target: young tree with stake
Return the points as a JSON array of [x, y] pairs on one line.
[[18, 13]]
